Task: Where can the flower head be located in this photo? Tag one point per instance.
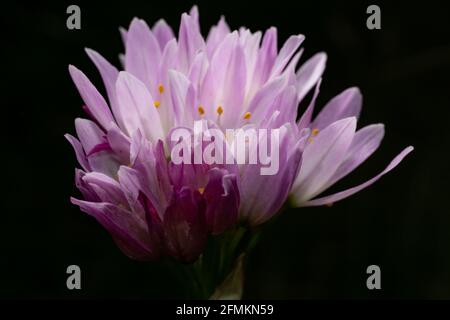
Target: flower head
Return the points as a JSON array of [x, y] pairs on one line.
[[154, 206]]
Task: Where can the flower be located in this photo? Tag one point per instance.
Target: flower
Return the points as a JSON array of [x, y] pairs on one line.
[[154, 207]]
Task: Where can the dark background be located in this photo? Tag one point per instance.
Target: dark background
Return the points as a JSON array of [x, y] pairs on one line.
[[401, 224]]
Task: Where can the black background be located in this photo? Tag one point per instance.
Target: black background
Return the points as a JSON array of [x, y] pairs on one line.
[[401, 224]]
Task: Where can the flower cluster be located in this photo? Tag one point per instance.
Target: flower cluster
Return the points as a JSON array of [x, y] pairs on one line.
[[154, 207]]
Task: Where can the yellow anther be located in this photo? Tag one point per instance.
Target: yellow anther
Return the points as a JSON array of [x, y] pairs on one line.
[[219, 110], [315, 132], [160, 88], [201, 190], [201, 111], [157, 103], [310, 140], [247, 115]]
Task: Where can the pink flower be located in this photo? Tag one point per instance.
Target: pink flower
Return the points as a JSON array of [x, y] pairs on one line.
[[152, 206]]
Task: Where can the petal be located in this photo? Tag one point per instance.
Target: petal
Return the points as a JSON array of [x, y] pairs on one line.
[[128, 231], [222, 201], [225, 82], [365, 142], [195, 17], [137, 108], [322, 157], [347, 104], [151, 165], [105, 162], [309, 73], [216, 36], [163, 33], [79, 153], [106, 188], [347, 193], [306, 117], [198, 69], [89, 134], [168, 60], [178, 89], [92, 98], [109, 75], [131, 187], [266, 57], [263, 195], [85, 189], [263, 101], [287, 51], [142, 54], [190, 41], [184, 226], [120, 144], [123, 34], [287, 103]]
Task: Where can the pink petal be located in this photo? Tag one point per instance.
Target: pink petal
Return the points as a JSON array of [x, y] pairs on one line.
[[309, 73], [106, 188], [222, 200], [190, 41], [89, 134], [306, 117], [266, 57], [322, 157], [216, 36], [137, 108], [347, 104], [287, 51], [128, 231], [109, 75], [178, 89], [120, 144], [163, 33], [79, 153], [143, 54], [365, 142], [94, 101], [347, 193]]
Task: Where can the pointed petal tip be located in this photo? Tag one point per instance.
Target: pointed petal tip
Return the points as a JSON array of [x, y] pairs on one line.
[[75, 201], [300, 36], [346, 121], [90, 52], [406, 151], [73, 69], [322, 56]]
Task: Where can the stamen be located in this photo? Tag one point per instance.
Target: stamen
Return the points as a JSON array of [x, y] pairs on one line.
[[219, 110], [201, 190], [201, 111], [157, 103], [314, 132], [247, 115], [160, 88]]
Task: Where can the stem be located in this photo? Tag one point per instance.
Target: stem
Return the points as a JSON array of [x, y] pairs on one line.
[[219, 270]]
